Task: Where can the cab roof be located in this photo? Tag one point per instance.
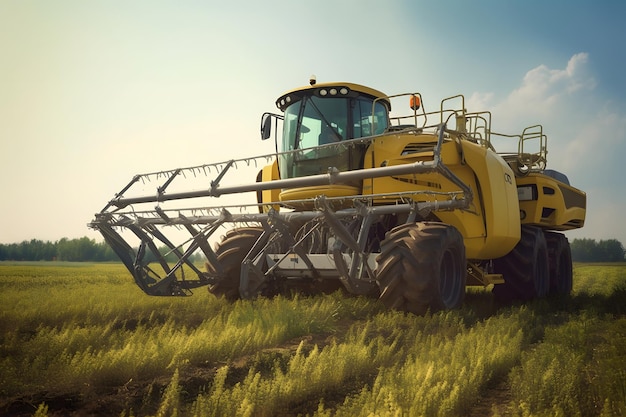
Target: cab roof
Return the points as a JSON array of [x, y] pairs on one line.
[[338, 89]]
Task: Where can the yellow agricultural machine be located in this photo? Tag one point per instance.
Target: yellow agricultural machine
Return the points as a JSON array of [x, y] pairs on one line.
[[411, 208]]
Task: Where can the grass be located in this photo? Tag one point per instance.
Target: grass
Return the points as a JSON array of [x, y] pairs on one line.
[[82, 338], [67, 333]]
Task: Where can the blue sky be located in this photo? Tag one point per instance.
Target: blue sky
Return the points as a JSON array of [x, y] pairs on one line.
[[92, 93]]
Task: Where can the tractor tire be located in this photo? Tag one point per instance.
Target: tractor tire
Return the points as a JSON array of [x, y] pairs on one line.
[[231, 252], [560, 263], [525, 269], [422, 267]]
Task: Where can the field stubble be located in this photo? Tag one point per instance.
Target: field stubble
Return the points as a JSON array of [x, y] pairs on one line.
[[81, 339]]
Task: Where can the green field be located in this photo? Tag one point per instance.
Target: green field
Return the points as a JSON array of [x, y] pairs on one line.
[[82, 339]]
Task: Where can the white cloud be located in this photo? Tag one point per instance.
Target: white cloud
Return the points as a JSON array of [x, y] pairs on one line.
[[546, 92], [586, 135], [544, 83], [480, 100]]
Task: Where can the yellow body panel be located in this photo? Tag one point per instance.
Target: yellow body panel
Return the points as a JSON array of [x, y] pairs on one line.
[[554, 204], [291, 196], [498, 194], [491, 226], [270, 173], [300, 198]]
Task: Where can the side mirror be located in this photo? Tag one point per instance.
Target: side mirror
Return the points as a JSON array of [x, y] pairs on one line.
[[266, 126]]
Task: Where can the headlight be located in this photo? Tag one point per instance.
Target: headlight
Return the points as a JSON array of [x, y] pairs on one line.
[[526, 193]]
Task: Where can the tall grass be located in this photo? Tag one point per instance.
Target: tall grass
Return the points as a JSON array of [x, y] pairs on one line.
[[85, 330], [71, 333], [579, 368], [395, 364], [440, 376], [307, 374]]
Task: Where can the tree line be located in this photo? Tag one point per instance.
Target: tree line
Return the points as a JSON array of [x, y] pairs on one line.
[[71, 250], [85, 249], [588, 250]]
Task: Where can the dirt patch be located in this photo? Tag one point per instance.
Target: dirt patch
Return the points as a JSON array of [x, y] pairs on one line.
[[495, 400]]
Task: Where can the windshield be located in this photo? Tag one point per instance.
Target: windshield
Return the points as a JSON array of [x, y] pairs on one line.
[[326, 120], [323, 121]]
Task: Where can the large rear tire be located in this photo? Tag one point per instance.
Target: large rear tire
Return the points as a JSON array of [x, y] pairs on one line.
[[422, 266], [231, 252], [560, 263], [525, 269]]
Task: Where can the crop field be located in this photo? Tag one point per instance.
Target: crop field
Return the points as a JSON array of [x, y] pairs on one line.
[[81, 339]]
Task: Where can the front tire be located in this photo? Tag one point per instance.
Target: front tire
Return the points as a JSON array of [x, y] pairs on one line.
[[422, 266], [231, 252]]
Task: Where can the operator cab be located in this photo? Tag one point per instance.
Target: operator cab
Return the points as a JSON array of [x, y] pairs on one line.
[[327, 114]]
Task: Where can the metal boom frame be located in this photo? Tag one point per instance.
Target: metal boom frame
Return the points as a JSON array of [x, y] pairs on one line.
[[354, 270]]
